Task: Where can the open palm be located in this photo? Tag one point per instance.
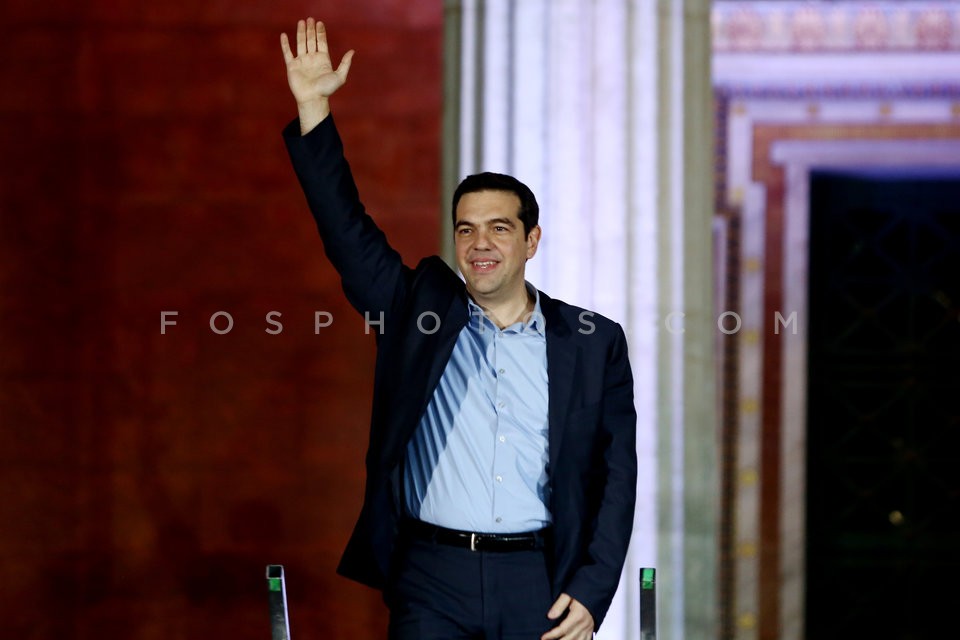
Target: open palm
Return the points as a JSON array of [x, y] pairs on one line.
[[310, 72]]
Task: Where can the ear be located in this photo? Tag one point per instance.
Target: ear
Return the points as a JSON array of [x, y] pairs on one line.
[[533, 241]]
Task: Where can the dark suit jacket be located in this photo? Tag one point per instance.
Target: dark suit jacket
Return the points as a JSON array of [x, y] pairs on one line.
[[592, 420]]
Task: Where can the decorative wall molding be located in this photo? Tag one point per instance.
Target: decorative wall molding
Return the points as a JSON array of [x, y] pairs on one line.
[[762, 180], [832, 27]]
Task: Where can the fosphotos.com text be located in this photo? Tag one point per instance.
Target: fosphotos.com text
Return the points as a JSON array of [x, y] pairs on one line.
[[429, 322]]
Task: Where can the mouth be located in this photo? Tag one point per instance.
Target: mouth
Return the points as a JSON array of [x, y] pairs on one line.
[[483, 266]]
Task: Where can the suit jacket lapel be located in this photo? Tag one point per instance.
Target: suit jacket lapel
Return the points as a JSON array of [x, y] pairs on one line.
[[562, 356], [423, 359], [446, 338]]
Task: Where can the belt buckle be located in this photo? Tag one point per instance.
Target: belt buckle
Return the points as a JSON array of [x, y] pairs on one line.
[[473, 542]]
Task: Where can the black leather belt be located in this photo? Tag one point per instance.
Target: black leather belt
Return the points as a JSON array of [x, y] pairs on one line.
[[525, 541]]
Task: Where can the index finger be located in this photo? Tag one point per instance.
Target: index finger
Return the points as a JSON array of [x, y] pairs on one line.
[[322, 38]]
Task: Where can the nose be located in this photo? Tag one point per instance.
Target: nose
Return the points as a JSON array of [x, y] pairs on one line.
[[481, 239]]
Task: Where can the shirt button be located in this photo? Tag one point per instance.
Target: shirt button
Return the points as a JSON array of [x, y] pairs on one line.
[[499, 519], [503, 439], [499, 478], [502, 371], [500, 405]]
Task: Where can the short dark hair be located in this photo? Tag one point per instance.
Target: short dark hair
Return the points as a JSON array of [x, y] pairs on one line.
[[529, 213]]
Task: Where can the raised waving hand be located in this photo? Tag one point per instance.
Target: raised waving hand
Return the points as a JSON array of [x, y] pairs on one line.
[[310, 72]]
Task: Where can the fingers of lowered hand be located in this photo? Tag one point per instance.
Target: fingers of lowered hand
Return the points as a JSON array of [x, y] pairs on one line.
[[578, 625], [580, 621], [559, 606]]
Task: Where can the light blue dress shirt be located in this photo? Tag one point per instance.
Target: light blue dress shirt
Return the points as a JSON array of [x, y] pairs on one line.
[[478, 459]]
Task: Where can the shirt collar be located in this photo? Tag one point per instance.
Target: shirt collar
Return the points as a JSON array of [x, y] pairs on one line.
[[535, 323]]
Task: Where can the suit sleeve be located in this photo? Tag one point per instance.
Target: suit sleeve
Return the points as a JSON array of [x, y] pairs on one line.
[[371, 271], [595, 582]]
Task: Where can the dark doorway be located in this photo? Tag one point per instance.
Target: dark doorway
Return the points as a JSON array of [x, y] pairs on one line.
[[883, 425]]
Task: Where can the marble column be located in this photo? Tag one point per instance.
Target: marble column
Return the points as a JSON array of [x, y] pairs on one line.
[[604, 108]]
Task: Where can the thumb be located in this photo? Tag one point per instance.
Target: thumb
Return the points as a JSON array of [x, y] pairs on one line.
[[344, 69], [561, 605]]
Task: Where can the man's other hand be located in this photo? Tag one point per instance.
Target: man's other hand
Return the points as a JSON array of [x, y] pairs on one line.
[[578, 625]]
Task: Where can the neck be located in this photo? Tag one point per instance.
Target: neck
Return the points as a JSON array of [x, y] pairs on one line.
[[504, 313]]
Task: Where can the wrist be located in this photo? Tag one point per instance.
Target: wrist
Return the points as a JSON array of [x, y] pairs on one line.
[[312, 112]]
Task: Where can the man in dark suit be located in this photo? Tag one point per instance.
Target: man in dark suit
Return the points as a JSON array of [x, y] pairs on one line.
[[501, 470]]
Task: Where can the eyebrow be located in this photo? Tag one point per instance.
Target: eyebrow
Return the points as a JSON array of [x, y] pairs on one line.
[[506, 221]]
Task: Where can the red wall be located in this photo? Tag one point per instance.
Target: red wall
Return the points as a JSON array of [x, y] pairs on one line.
[[146, 480]]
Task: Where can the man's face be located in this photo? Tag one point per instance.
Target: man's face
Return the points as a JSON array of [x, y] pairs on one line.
[[492, 249]]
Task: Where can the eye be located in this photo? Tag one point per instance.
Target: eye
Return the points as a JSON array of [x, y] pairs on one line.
[[500, 228]]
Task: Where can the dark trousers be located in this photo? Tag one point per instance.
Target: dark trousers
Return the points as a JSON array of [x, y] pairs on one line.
[[440, 592]]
